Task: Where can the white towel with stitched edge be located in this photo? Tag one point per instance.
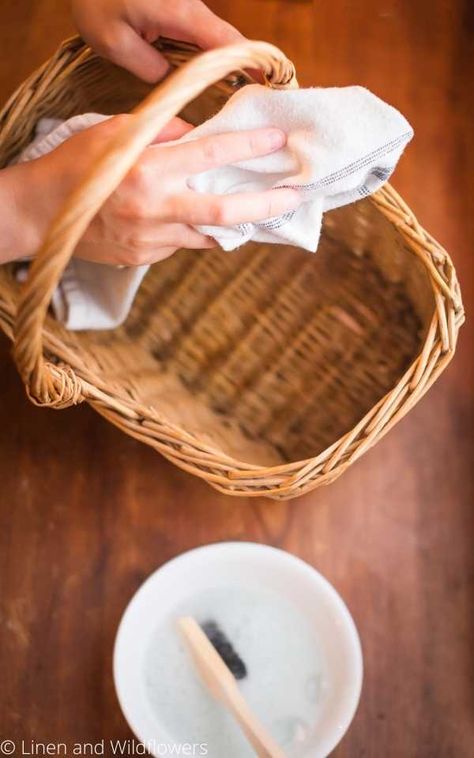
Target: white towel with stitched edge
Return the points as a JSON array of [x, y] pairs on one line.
[[343, 144]]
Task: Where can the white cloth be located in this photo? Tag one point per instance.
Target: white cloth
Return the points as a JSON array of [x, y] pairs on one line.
[[343, 144]]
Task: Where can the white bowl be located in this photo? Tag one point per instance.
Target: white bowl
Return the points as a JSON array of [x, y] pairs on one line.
[[287, 622]]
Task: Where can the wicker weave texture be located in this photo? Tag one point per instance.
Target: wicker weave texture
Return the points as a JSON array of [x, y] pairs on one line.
[[267, 371]]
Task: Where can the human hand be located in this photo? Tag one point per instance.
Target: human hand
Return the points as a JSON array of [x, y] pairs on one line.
[[152, 212], [123, 30]]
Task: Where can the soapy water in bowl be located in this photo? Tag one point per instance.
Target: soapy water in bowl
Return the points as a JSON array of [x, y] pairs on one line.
[[285, 682]]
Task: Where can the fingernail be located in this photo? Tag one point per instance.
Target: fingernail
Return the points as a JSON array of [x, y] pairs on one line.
[[276, 138]]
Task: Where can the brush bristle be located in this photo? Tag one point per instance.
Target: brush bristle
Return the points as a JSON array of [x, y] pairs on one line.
[[224, 647]]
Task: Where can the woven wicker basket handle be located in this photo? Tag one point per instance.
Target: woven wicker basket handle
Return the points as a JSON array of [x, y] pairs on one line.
[[58, 386]]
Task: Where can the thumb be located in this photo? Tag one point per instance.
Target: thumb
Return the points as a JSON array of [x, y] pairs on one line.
[[130, 51]]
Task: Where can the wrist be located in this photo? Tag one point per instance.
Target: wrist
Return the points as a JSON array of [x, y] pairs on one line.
[[15, 232], [30, 194]]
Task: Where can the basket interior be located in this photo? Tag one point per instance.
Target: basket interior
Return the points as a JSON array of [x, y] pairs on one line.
[[269, 353]]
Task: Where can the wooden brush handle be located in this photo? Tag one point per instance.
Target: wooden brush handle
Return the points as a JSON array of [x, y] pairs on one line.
[[55, 385], [221, 683], [260, 739]]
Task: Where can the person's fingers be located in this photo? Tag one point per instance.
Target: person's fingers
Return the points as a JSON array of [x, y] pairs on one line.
[[143, 248], [127, 49], [185, 236], [155, 254], [91, 141], [196, 156], [175, 129], [228, 210], [208, 30], [160, 254], [145, 237]]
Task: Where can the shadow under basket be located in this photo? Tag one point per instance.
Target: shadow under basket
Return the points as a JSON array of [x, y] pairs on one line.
[[267, 371]]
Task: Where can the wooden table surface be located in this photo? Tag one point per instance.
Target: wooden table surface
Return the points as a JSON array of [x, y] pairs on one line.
[[87, 513]]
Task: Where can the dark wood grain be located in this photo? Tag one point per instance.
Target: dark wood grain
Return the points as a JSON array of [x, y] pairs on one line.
[[86, 513]]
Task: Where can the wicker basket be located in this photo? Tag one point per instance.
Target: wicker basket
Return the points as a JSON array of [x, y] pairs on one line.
[[267, 371]]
